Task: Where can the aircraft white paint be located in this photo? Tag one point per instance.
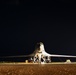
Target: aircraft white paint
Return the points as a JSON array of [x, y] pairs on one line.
[[40, 55]]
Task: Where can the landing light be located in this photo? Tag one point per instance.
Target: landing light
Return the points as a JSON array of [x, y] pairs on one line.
[[42, 63]]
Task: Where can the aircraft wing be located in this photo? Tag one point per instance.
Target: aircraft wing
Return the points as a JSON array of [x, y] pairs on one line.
[[54, 55], [17, 56]]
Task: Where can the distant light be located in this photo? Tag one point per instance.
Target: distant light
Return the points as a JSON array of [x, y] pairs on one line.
[[68, 61]]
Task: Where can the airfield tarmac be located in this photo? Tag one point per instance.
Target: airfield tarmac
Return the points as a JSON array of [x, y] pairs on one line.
[[38, 69]]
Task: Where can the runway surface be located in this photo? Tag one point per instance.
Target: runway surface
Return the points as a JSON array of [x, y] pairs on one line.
[[38, 69], [23, 63]]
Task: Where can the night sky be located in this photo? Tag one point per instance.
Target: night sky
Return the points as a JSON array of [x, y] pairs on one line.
[[25, 23]]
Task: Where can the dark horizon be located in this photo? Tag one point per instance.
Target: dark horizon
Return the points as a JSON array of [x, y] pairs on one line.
[[25, 23]]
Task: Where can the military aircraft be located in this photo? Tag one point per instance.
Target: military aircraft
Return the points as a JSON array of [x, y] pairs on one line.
[[40, 55]]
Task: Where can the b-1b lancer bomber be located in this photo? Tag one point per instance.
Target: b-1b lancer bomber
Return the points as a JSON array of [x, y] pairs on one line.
[[40, 55]]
